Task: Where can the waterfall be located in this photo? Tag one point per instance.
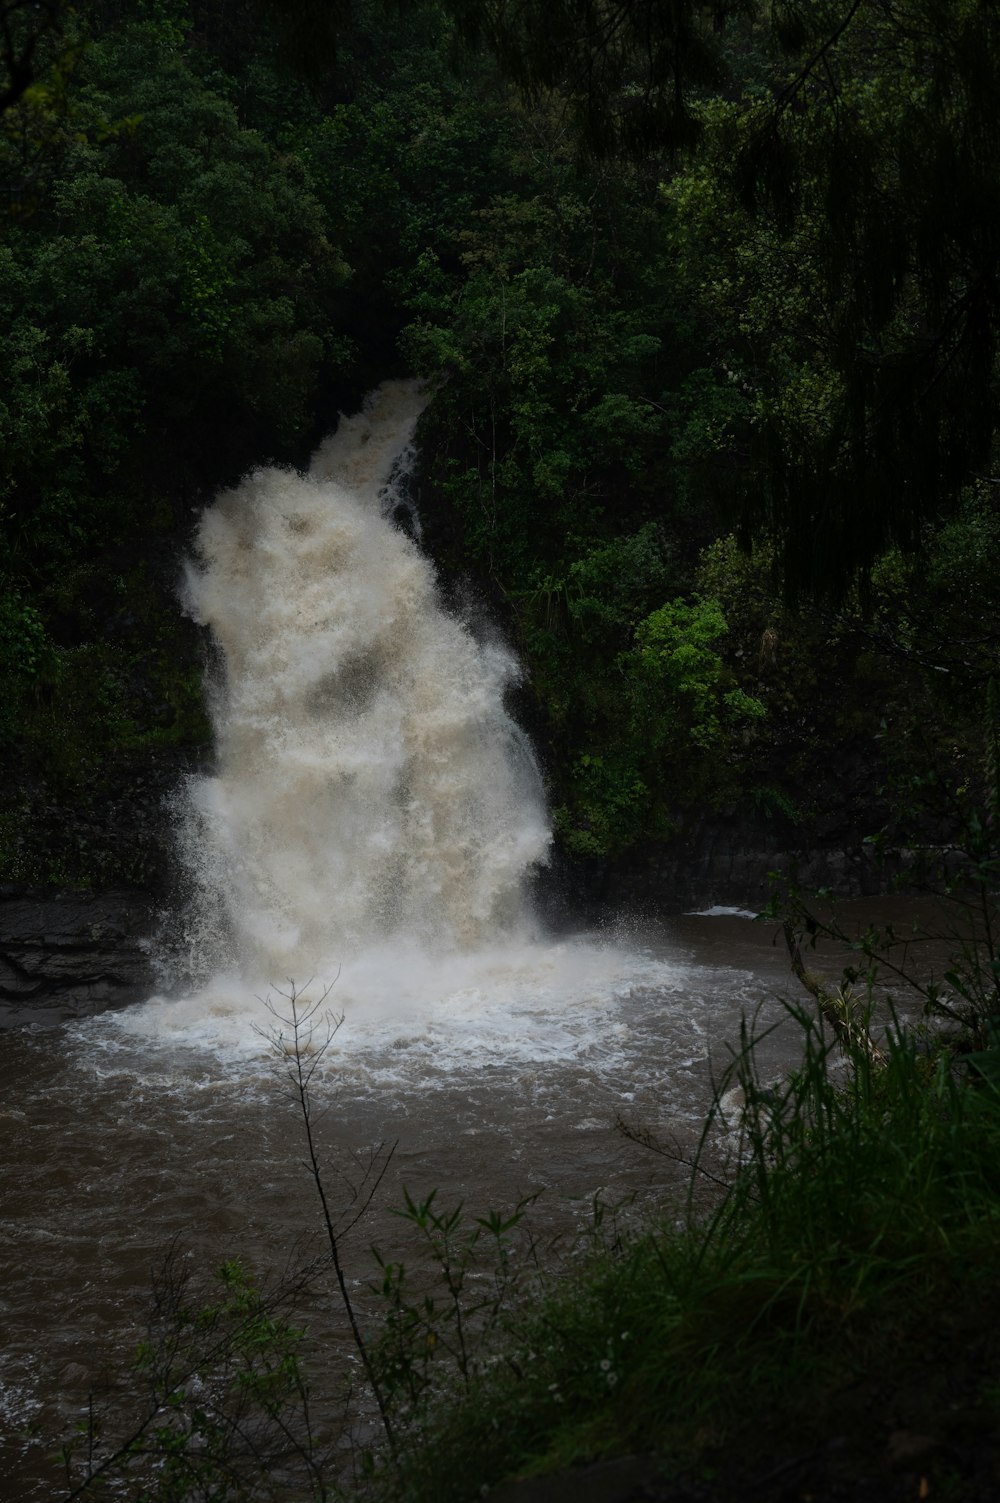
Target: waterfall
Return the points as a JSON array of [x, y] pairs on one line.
[[370, 789]]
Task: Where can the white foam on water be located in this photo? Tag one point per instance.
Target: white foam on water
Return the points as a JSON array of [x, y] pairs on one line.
[[17, 1405], [719, 910], [404, 1010]]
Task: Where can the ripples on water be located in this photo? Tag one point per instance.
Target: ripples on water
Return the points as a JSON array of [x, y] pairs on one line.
[[498, 1076]]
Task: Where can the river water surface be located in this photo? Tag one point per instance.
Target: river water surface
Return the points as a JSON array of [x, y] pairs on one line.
[[128, 1132], [122, 1132]]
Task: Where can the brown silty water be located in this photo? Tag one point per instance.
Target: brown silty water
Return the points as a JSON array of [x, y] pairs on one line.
[[368, 832], [115, 1144]]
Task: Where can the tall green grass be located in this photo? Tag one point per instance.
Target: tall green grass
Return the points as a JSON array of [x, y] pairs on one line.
[[864, 1197]]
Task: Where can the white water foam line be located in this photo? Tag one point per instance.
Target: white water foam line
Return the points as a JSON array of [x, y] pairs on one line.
[[498, 1006], [526, 1039], [719, 910]]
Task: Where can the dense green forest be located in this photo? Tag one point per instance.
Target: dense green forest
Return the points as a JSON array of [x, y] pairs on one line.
[[710, 293]]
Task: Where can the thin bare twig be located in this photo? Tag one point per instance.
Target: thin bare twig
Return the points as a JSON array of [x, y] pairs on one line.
[[303, 1056]]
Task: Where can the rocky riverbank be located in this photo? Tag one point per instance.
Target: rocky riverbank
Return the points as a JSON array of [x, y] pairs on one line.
[[67, 955]]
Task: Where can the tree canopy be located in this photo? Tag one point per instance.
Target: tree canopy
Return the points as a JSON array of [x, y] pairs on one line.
[[677, 269], [844, 195]]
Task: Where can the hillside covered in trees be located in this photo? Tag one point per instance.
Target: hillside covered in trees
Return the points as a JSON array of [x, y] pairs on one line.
[[709, 294]]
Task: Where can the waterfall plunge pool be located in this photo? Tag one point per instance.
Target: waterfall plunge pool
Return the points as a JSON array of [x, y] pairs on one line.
[[171, 1123]]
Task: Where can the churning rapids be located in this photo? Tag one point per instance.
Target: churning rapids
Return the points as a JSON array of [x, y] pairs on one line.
[[371, 827]]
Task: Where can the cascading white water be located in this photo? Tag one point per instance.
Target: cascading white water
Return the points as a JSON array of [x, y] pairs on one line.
[[374, 812], [370, 786]]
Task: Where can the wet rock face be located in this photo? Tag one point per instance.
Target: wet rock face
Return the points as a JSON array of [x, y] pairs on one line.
[[68, 955], [742, 860]]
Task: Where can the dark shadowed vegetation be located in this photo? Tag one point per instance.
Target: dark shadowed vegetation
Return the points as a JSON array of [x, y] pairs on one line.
[[686, 272]]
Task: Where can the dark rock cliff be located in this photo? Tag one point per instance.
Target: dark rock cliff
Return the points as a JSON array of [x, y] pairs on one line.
[[68, 955]]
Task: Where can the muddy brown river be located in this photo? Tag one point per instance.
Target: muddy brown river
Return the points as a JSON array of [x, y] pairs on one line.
[[129, 1132]]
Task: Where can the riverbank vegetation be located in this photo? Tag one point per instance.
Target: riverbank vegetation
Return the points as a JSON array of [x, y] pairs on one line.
[[734, 285], [810, 1313], [824, 1332], [814, 1317]]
